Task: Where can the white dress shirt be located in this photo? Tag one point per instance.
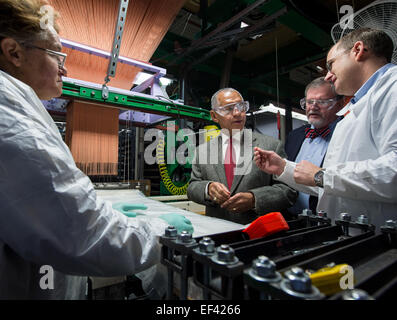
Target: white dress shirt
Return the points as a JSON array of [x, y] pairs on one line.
[[236, 143], [237, 140]]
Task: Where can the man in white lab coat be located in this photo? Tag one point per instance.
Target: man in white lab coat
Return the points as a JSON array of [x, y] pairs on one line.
[[359, 174], [53, 228]]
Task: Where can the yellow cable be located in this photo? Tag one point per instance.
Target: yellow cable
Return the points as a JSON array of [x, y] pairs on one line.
[[170, 186]]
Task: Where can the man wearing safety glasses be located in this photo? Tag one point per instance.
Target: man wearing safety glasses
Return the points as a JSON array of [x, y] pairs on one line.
[[224, 178], [359, 173], [310, 142]]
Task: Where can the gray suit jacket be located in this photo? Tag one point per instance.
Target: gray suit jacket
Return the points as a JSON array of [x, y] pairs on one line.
[[207, 166]]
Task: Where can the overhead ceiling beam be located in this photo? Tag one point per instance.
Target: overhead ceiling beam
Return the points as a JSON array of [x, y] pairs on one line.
[[224, 37], [221, 10], [306, 29], [298, 23], [225, 25], [248, 30]]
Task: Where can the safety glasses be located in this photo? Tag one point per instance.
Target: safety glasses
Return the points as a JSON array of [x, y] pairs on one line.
[[242, 106], [326, 103], [60, 56], [330, 62]]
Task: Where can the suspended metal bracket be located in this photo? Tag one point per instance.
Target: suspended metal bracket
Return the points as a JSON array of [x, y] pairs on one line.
[[118, 34]]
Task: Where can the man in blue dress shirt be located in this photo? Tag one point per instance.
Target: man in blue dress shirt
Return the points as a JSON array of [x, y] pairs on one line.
[[310, 142]]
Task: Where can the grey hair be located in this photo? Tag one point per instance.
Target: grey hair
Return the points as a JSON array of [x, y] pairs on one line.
[[214, 98], [319, 82]]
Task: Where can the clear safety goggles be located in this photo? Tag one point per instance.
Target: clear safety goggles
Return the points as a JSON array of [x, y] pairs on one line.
[[242, 106], [326, 103]]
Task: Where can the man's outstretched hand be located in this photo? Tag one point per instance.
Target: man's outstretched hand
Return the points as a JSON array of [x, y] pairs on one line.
[[269, 161]]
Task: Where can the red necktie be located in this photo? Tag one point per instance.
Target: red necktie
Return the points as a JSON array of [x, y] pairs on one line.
[[230, 163], [313, 133]]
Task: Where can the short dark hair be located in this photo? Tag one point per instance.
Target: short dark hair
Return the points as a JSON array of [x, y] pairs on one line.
[[377, 41]]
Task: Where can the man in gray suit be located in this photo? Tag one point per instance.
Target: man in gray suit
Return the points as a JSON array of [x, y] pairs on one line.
[[230, 186]]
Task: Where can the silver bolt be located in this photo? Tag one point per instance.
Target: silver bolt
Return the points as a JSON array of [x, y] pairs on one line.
[[264, 267], [225, 253], [391, 224], [299, 280], [207, 245], [322, 214], [306, 212], [171, 232], [363, 219], [346, 216], [356, 294], [185, 237]]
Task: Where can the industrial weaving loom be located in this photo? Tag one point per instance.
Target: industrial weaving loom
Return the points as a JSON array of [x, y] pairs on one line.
[[122, 36], [314, 260]]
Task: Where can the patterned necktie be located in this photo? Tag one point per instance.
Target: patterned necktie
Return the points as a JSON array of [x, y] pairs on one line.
[[230, 163], [313, 133]]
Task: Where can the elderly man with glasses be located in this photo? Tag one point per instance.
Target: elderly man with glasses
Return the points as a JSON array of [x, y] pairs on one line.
[[310, 142], [224, 177], [359, 173]]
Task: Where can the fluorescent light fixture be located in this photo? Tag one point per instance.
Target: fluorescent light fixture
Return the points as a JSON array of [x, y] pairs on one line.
[[320, 69], [165, 81], [243, 24], [273, 109], [141, 77]]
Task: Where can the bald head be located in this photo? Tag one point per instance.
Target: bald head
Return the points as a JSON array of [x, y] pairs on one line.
[[225, 96], [224, 110]]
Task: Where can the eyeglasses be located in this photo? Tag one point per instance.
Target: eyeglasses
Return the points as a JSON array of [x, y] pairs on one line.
[[329, 63], [327, 103], [242, 106], [60, 56]]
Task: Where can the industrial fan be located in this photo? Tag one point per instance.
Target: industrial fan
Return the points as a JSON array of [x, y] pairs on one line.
[[381, 15]]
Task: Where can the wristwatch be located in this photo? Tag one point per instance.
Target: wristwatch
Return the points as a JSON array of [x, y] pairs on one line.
[[319, 178]]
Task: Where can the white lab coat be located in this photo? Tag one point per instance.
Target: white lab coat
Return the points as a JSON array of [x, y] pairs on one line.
[[361, 161], [50, 214]]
